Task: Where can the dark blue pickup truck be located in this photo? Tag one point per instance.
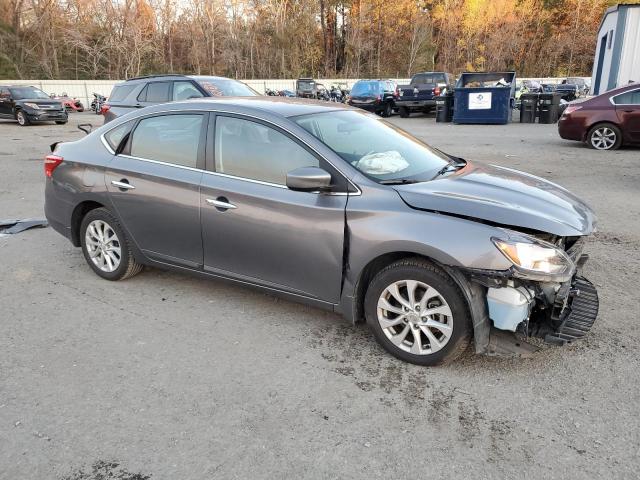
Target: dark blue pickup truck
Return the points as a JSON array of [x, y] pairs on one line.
[[420, 94]]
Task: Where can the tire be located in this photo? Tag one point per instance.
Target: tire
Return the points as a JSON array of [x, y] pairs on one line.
[[127, 266], [439, 344], [604, 136], [404, 112], [22, 118], [388, 109], [61, 122]]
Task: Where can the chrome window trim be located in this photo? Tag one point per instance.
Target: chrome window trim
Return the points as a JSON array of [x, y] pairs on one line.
[[623, 93], [106, 144], [358, 192]]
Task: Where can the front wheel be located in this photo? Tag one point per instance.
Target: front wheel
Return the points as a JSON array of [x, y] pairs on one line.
[[61, 122], [388, 109], [22, 118], [404, 112], [106, 247], [605, 136], [418, 313]]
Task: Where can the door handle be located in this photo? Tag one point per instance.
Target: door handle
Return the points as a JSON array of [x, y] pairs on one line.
[[221, 203], [122, 185], [629, 111]]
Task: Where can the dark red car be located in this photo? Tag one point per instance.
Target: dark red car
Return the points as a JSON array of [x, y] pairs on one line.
[[605, 122]]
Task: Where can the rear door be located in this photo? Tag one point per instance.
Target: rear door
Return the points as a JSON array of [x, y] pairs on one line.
[[254, 228], [628, 112], [154, 186]]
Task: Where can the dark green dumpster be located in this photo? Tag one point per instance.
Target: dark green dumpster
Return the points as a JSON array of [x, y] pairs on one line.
[[444, 108], [528, 107], [548, 107]]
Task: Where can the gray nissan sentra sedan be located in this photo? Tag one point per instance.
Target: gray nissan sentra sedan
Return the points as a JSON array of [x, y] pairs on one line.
[[333, 207]]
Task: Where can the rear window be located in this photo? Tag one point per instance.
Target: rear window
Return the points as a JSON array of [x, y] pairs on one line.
[[120, 92], [305, 84], [430, 78], [366, 88]]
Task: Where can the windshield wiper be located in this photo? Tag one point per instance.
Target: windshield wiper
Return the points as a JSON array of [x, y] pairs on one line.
[[397, 181], [450, 167]]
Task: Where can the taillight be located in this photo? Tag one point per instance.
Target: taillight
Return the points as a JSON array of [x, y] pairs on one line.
[[104, 108], [50, 164], [571, 109], [378, 98], [436, 91]]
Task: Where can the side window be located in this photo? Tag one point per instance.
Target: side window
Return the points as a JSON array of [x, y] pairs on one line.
[[115, 136], [628, 98], [142, 96], [184, 90], [157, 92], [252, 150], [168, 138], [4, 93]]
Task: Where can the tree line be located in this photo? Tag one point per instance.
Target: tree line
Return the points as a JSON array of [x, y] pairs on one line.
[[115, 39]]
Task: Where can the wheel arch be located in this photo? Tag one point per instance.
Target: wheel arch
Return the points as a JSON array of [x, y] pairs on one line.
[[474, 293], [592, 125], [78, 214]]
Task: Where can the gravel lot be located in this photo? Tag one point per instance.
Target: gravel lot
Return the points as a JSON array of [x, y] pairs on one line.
[[166, 376]]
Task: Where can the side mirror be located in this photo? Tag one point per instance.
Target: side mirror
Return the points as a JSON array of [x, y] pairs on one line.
[[308, 179]]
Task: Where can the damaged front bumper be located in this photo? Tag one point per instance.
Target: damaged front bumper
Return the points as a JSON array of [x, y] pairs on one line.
[[512, 316]]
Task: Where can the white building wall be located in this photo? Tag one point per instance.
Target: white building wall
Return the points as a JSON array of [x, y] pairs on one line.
[[608, 25], [629, 69]]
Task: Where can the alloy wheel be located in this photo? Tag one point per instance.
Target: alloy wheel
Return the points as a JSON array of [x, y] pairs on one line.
[[415, 317], [103, 246], [21, 118], [603, 138]]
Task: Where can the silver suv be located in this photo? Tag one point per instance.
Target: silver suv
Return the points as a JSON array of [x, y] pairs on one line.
[[142, 92]]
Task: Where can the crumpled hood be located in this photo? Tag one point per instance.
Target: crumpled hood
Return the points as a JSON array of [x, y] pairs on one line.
[[503, 196]]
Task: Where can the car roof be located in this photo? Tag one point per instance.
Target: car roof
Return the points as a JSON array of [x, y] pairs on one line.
[[282, 106], [623, 88]]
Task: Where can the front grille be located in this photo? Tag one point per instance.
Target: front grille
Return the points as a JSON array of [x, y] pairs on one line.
[[577, 318]]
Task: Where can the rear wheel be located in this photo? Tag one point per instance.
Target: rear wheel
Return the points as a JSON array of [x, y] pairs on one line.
[[106, 246], [61, 122], [417, 313], [604, 136], [22, 118], [404, 112]]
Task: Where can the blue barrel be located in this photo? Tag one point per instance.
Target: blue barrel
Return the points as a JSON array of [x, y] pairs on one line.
[[484, 97]]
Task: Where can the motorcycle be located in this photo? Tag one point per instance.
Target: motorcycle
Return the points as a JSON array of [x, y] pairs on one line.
[[335, 94], [70, 104], [97, 102]]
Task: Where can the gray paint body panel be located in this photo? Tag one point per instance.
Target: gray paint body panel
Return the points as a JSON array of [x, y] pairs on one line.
[[308, 246]]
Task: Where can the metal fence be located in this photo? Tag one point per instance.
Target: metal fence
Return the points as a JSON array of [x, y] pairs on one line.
[[84, 89]]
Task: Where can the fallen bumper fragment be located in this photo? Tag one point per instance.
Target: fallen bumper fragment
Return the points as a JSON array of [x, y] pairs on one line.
[[10, 227]]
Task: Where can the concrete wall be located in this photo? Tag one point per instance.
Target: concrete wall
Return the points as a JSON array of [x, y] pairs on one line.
[[83, 89]]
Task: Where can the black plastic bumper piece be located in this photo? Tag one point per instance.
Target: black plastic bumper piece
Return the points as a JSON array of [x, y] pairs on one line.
[[578, 315]]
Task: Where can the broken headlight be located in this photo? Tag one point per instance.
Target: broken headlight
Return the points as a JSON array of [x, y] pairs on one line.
[[535, 259]]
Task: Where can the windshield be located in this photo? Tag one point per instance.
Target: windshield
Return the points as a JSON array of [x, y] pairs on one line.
[[305, 84], [376, 148], [226, 87], [21, 93], [366, 88]]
